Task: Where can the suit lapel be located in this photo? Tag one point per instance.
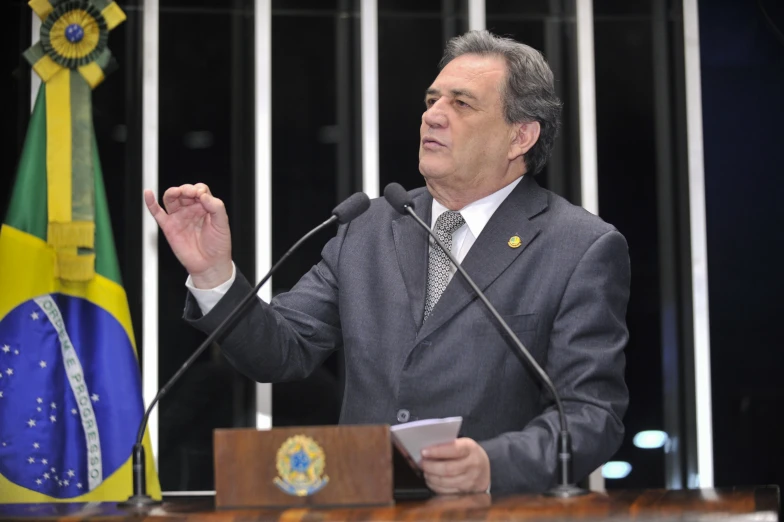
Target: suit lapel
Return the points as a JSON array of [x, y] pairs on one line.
[[411, 246], [490, 254]]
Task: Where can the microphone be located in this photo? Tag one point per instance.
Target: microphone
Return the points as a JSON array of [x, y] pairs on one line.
[[349, 209], [401, 201]]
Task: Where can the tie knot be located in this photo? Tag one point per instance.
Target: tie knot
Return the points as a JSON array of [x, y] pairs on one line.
[[449, 221]]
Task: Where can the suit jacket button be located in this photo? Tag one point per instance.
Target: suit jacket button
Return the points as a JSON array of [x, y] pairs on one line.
[[403, 415]]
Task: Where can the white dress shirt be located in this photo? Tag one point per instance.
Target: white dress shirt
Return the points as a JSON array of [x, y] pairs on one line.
[[476, 216]]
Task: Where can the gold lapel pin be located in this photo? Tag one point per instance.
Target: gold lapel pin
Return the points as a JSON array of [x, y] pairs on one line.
[[515, 242]]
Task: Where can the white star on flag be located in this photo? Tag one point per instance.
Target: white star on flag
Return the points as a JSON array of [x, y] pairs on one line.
[[34, 316], [71, 473], [65, 482], [16, 352], [6, 348], [38, 408], [40, 400], [53, 418], [44, 462], [38, 481], [31, 423], [31, 460], [60, 483], [53, 405], [79, 485], [53, 470], [94, 397], [10, 371], [1, 394], [42, 364], [36, 445], [46, 476], [73, 410]]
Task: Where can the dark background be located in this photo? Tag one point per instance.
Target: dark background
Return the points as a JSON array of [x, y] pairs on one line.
[[206, 134], [743, 109]]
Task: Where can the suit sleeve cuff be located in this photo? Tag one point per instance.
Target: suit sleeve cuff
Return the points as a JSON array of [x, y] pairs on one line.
[[208, 298]]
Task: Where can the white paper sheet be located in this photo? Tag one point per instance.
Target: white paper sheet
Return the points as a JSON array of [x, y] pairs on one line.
[[412, 437]]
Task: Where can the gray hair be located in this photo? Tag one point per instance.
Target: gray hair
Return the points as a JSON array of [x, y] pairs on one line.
[[529, 92]]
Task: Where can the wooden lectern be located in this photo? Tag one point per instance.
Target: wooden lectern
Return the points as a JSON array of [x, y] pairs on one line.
[[326, 466], [339, 473]]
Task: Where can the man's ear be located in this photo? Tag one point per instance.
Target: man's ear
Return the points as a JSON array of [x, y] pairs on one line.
[[524, 136]]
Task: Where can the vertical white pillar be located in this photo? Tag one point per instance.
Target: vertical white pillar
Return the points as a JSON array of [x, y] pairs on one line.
[[586, 94], [263, 121], [586, 91], [149, 226], [699, 248], [476, 15], [370, 147]]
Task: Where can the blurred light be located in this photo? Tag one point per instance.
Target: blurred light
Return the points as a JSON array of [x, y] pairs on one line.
[[329, 134], [120, 133], [650, 439], [198, 140], [616, 469]]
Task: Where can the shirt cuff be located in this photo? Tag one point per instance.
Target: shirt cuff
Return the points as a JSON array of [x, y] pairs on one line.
[[207, 299]]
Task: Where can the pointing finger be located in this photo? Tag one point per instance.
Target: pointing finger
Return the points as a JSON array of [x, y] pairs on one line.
[[155, 209]]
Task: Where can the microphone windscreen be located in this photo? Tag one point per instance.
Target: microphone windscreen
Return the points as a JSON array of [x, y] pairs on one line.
[[398, 197], [351, 207]]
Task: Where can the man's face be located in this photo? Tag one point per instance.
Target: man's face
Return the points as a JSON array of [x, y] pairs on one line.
[[464, 139]]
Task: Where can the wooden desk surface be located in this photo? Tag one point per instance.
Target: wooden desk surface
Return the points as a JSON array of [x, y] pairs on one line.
[[753, 503]]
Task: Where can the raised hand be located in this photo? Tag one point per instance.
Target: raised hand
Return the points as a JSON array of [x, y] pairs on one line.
[[196, 226]]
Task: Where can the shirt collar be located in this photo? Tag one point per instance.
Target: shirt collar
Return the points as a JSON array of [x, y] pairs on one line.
[[478, 213]]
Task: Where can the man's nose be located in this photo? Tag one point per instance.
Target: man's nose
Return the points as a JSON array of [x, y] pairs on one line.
[[435, 116]]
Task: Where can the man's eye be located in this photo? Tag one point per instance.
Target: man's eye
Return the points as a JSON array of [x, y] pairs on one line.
[[461, 103], [430, 101]]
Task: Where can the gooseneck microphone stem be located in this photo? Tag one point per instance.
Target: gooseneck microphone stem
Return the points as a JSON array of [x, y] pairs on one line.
[[343, 213], [400, 201]]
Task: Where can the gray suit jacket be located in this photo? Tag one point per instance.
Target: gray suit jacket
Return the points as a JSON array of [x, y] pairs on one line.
[[564, 292]]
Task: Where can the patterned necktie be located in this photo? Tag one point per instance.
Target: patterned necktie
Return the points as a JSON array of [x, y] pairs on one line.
[[439, 266]]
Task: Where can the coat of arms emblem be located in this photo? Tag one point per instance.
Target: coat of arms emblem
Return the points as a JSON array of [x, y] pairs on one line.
[[300, 464]]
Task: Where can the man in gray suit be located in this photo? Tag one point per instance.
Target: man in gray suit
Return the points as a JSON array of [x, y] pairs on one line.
[[417, 342]]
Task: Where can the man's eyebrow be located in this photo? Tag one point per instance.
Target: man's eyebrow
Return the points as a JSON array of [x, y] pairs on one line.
[[454, 92], [461, 92]]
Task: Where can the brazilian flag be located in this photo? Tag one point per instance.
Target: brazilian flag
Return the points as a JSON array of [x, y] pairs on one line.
[[70, 387]]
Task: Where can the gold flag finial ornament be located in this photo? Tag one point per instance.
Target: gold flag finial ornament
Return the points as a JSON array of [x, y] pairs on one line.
[[72, 58], [74, 36]]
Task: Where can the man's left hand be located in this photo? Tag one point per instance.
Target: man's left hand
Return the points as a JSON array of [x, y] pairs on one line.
[[461, 466]]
